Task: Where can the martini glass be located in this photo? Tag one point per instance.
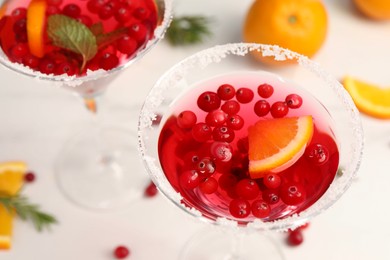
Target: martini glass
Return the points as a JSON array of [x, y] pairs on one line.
[[239, 236], [96, 168]]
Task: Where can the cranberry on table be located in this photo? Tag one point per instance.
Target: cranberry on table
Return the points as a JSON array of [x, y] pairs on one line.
[[121, 252], [151, 190], [260, 209], [239, 208], [262, 108], [226, 91], [29, 177], [244, 95], [265, 90], [295, 237], [279, 109], [208, 101], [294, 101]]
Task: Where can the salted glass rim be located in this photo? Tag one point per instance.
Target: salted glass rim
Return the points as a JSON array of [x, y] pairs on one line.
[[214, 55], [158, 34]]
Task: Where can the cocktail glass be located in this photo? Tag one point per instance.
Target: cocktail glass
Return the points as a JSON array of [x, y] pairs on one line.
[[240, 236], [97, 168]]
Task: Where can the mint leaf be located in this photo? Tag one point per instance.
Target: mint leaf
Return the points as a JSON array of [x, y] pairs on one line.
[[105, 39], [70, 34]]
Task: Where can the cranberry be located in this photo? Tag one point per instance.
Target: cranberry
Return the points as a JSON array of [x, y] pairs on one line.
[[191, 159], [221, 151], [106, 12], [271, 196], [94, 6], [205, 167], [189, 179], [121, 252], [272, 181], [201, 132], [231, 107], [86, 20], [243, 145], [52, 9], [265, 90], [279, 109], [20, 26], [226, 92], [127, 45], [29, 177], [54, 2], [47, 66], [186, 119], [208, 101], [260, 209], [151, 190], [216, 118], [317, 153], [209, 185], [31, 61], [223, 134], [227, 181], [235, 122], [292, 193], [19, 13], [108, 61], [123, 15], [66, 67], [244, 95], [141, 13], [262, 108], [247, 189], [295, 237], [294, 101], [19, 50], [71, 10], [138, 31], [239, 208]]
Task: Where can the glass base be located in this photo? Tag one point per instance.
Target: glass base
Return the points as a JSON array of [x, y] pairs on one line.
[[101, 169], [217, 244]]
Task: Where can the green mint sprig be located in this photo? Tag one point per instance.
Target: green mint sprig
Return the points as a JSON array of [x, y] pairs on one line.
[[185, 30]]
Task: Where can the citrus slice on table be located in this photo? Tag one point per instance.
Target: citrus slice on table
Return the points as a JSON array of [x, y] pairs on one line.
[[369, 98], [36, 20], [274, 144], [11, 181]]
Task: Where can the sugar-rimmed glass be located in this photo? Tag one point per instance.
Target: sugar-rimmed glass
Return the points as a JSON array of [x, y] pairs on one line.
[[97, 168], [231, 58]]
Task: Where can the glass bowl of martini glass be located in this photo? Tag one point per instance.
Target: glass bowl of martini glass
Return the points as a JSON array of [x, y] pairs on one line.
[[248, 147], [82, 46]]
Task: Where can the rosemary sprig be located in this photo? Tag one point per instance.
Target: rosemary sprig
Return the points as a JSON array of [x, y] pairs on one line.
[[187, 30], [27, 211]]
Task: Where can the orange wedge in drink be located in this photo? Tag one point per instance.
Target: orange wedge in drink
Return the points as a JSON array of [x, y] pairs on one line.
[[369, 98], [275, 144], [11, 181], [36, 24]]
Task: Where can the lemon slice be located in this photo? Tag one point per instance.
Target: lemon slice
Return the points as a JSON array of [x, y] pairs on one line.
[[369, 98], [274, 144]]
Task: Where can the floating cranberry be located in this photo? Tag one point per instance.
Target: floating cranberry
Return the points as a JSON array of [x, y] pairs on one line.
[[29, 177], [226, 91], [66, 67], [244, 95], [205, 167], [52, 9], [47, 66], [243, 145], [19, 50], [127, 45], [227, 181], [31, 61], [260, 209], [123, 14], [138, 31], [292, 193], [186, 119], [209, 185], [94, 6], [279, 109], [216, 118], [223, 134], [235, 122], [191, 159], [54, 2], [231, 107], [247, 189], [108, 61], [121, 252], [208, 101], [272, 181], [189, 179], [239, 208], [151, 190], [262, 108], [20, 26], [201, 132], [19, 13], [141, 13], [294, 101], [317, 153], [71, 10], [271, 196], [221, 151], [295, 237], [106, 11], [265, 90], [86, 20]]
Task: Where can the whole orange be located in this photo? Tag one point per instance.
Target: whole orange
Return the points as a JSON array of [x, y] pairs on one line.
[[375, 9], [298, 25]]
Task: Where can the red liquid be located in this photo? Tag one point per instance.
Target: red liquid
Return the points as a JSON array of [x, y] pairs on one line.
[[136, 19], [177, 145]]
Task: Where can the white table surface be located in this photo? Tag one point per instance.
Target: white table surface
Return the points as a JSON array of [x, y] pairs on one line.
[[36, 119]]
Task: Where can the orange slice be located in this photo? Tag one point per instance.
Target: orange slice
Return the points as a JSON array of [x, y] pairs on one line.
[[369, 98], [11, 181], [3, 9], [274, 144], [36, 19]]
